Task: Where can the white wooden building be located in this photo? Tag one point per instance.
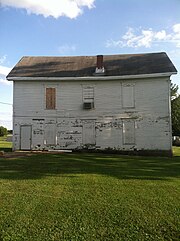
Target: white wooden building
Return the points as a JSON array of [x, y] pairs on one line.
[[113, 102]]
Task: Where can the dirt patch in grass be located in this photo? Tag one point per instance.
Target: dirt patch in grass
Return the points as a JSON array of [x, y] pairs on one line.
[[18, 154], [15, 154]]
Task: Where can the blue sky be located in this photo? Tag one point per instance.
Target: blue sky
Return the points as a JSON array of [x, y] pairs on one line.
[[84, 27]]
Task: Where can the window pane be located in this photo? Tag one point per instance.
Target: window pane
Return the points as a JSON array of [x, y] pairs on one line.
[[88, 94]]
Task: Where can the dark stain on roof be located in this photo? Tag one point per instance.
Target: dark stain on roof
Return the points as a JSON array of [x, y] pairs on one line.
[[84, 66]]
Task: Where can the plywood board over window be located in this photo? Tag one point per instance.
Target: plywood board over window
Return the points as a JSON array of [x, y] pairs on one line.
[[50, 98], [50, 134]]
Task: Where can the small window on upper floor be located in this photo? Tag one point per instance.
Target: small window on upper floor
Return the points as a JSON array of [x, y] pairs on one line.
[[128, 98], [50, 98], [88, 97]]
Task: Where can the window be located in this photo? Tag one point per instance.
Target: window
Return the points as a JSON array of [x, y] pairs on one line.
[[128, 96], [50, 98], [88, 97]]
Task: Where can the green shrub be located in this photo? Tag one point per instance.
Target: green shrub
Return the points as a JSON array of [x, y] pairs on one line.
[[176, 141]]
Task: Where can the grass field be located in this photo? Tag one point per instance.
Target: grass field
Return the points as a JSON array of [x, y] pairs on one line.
[[4, 145], [89, 197]]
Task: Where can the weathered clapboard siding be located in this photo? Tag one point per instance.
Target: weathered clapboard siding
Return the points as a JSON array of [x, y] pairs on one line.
[[108, 97], [69, 97], [150, 115]]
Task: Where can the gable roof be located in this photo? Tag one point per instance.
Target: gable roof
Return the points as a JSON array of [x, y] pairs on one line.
[[84, 66]]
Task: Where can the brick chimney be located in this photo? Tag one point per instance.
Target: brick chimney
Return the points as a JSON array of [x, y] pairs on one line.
[[99, 61], [99, 67]]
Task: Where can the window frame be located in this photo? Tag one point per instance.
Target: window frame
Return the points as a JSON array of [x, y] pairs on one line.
[[86, 97]]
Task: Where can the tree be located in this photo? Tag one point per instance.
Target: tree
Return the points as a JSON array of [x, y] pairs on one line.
[[3, 131], [175, 110], [174, 91]]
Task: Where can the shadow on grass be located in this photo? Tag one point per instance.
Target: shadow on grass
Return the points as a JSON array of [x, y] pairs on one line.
[[121, 167]]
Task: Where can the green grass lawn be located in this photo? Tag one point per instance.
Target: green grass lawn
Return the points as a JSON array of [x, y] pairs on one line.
[[4, 145], [89, 197]]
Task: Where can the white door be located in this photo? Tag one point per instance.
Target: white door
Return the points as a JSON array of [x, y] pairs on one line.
[[26, 137], [89, 132], [50, 134]]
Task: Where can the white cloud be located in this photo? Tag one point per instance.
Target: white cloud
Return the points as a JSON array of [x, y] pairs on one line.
[[147, 37], [54, 8], [176, 36], [176, 28], [3, 59], [161, 35], [3, 72], [66, 49]]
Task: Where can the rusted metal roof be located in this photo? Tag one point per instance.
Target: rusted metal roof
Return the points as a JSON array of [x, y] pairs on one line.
[[84, 66]]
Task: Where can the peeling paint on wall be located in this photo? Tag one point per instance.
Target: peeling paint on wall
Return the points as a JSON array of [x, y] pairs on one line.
[[105, 123]]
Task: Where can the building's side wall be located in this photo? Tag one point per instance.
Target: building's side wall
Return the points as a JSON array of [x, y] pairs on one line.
[[110, 125]]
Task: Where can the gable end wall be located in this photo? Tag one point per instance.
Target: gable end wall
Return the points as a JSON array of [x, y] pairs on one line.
[[107, 123]]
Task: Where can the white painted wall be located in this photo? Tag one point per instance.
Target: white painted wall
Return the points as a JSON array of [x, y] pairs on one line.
[[150, 114]]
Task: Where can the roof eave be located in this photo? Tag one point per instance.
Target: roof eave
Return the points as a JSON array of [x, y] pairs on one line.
[[137, 76]]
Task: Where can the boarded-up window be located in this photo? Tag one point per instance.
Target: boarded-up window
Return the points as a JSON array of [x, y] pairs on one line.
[[50, 134], [128, 96], [50, 98], [128, 132], [88, 96], [89, 132]]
